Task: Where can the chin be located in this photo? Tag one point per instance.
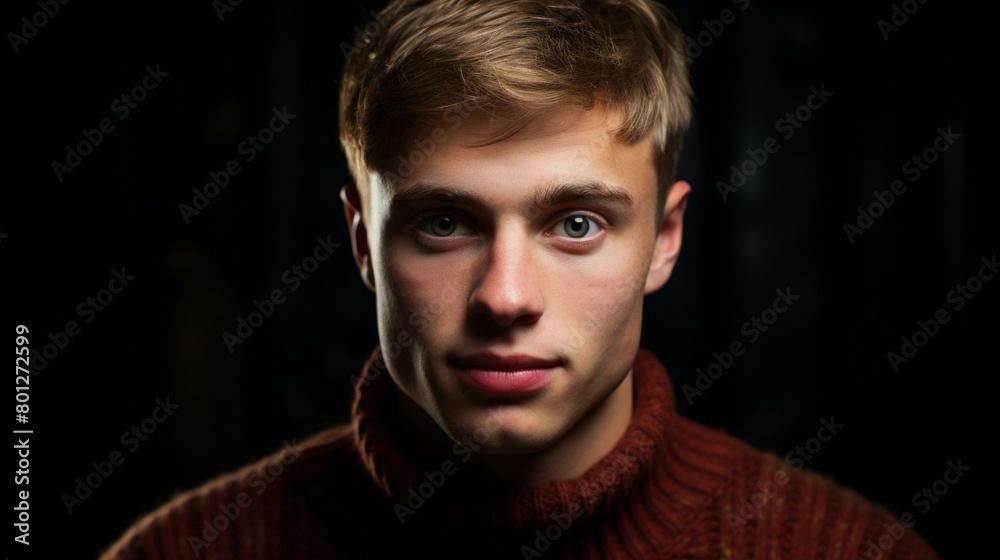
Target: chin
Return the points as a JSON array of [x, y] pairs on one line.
[[506, 429]]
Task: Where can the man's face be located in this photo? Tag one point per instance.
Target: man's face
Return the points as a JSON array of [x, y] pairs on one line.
[[510, 277]]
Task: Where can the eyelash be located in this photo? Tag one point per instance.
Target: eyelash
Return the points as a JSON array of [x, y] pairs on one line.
[[562, 222], [414, 229]]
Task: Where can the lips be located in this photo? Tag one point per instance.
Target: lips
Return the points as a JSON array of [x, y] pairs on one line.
[[505, 374]]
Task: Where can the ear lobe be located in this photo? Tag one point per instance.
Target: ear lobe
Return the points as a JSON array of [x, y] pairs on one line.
[[359, 233], [667, 246]]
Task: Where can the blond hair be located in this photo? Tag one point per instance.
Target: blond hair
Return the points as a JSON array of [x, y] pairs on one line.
[[514, 59]]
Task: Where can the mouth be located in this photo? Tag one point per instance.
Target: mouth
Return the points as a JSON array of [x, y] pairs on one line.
[[504, 374]]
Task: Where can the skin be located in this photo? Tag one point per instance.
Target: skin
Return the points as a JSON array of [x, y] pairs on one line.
[[489, 264]]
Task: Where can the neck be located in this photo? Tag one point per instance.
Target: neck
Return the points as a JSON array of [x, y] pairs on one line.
[[592, 437]]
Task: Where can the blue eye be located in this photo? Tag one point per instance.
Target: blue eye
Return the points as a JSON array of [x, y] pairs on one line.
[[441, 225], [578, 226]]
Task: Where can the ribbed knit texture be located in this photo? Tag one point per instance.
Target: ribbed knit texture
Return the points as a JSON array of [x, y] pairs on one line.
[[671, 488]]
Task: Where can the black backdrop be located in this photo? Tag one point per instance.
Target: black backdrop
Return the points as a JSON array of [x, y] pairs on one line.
[[64, 233]]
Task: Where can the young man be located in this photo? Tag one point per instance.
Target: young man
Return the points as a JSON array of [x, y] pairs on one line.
[[515, 201]]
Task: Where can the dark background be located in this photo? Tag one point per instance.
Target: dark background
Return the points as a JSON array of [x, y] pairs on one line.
[[162, 336]]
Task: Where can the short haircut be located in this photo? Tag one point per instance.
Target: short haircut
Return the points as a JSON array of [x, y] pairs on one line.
[[421, 60]]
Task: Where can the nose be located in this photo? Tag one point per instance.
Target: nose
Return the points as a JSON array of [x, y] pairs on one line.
[[507, 290]]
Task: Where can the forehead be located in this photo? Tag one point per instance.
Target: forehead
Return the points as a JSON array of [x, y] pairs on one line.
[[570, 145]]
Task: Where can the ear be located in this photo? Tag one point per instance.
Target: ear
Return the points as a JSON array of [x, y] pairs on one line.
[[359, 234], [668, 240]]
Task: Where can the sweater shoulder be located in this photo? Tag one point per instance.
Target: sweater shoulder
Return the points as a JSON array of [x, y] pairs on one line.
[[236, 515], [782, 509]]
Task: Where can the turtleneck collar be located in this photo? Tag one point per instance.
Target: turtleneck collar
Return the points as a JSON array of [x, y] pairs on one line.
[[526, 506]]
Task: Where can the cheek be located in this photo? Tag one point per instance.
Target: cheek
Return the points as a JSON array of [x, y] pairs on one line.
[[608, 315], [420, 295], [603, 303]]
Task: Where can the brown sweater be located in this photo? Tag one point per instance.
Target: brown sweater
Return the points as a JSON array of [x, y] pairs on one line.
[[671, 488]]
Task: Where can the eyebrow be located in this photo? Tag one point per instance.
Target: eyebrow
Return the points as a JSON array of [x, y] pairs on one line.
[[427, 192], [596, 192], [591, 191]]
